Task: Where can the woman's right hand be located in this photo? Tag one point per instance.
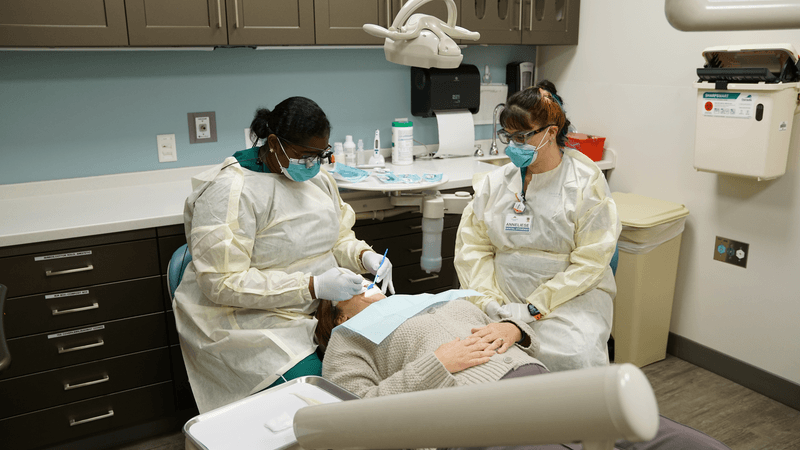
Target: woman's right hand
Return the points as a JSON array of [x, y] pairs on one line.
[[460, 354], [337, 284]]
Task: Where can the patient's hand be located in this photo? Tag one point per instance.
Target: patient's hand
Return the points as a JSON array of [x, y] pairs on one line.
[[501, 335], [460, 354]]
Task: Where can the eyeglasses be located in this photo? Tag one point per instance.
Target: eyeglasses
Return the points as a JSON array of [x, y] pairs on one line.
[[519, 137], [309, 160]]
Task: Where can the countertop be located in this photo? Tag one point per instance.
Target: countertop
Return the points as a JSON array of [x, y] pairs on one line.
[[77, 207]]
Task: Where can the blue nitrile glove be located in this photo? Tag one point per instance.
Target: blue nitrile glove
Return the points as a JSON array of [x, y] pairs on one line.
[[496, 312], [519, 311], [382, 272], [337, 284]]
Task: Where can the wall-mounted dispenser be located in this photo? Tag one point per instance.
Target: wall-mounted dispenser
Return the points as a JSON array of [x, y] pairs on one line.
[[747, 97]]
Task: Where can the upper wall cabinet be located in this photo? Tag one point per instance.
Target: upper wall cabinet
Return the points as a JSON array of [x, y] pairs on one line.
[[339, 21], [220, 22], [65, 23], [532, 22]]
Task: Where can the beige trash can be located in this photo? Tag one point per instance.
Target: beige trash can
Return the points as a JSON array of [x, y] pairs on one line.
[[649, 246]]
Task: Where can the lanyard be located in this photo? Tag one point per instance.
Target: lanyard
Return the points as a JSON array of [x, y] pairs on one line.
[[519, 206]]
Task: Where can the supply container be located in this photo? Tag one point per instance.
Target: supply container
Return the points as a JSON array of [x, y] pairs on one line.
[[649, 246], [338, 153], [746, 104], [402, 142], [591, 146], [350, 151], [362, 153]]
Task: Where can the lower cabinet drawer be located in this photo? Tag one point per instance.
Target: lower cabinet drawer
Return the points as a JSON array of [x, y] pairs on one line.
[[405, 250], [92, 304], [78, 420], [63, 348], [413, 280], [71, 384]]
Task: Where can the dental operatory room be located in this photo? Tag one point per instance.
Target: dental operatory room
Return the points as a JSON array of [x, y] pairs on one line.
[[395, 224]]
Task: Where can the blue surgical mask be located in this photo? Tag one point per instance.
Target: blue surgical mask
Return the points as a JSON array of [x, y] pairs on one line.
[[523, 155], [297, 170]]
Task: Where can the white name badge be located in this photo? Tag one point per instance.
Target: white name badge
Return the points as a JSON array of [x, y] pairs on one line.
[[518, 224]]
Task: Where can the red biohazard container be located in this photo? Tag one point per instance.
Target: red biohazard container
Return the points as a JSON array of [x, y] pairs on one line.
[[591, 146]]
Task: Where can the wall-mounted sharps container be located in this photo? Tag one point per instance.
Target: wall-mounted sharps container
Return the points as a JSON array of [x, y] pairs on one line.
[[747, 97]]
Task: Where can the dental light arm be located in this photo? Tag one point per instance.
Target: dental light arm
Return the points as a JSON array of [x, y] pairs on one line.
[[421, 40], [594, 406]]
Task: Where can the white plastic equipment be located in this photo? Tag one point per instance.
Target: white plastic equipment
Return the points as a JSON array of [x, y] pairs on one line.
[[726, 15], [421, 40], [744, 128]]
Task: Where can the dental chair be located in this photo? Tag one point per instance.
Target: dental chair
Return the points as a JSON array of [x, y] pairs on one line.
[[175, 268]]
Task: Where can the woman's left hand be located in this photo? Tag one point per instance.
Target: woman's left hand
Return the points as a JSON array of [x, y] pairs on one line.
[[381, 267], [502, 335]]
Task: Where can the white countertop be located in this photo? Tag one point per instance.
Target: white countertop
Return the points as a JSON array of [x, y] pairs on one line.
[[60, 209]]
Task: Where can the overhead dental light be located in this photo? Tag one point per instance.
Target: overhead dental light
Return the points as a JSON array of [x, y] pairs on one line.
[[421, 40], [732, 15]]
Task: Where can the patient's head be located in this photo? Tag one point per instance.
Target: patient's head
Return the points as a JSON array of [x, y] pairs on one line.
[[329, 316]]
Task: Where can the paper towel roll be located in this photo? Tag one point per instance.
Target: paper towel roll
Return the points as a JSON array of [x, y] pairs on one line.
[[456, 133]]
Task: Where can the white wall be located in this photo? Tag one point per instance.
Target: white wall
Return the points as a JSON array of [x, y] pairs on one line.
[[630, 79]]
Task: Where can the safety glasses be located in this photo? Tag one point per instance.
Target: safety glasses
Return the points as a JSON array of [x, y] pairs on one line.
[[310, 160], [520, 137]]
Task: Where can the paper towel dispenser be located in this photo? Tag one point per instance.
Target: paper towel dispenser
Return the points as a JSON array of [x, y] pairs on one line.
[[445, 90]]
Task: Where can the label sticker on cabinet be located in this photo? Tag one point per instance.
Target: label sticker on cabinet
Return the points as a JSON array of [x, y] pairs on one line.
[[736, 105], [62, 255], [70, 333], [65, 294]]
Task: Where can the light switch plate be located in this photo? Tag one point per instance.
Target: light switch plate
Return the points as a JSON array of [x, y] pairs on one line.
[[731, 252], [202, 127], [167, 151]]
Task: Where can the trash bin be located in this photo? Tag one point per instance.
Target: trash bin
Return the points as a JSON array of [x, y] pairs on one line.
[[649, 246]]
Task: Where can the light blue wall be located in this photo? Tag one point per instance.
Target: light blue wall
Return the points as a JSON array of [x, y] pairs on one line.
[[77, 114]]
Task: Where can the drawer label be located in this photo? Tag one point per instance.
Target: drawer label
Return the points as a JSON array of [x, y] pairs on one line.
[[70, 333], [62, 255], [65, 294]]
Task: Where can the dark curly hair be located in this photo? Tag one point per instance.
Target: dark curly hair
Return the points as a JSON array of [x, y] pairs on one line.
[[297, 119], [536, 106]]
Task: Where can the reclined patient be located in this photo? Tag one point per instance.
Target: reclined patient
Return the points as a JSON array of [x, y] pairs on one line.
[[447, 344]]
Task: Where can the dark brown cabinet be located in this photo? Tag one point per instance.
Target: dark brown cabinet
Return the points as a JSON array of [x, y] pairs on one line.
[[530, 22], [87, 330], [65, 23]]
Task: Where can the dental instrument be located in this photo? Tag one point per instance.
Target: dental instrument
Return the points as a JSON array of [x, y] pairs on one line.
[[372, 285]]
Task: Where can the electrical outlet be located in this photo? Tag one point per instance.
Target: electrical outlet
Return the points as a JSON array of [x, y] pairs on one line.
[[731, 252], [202, 127], [167, 151]]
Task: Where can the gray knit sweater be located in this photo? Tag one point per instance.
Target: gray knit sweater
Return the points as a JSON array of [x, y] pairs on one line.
[[405, 362]]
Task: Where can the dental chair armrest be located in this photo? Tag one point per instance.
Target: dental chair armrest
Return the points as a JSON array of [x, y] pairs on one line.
[[595, 406]]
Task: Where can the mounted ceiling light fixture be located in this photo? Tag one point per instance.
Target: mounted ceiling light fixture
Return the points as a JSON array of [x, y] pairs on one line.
[[421, 40], [732, 15]]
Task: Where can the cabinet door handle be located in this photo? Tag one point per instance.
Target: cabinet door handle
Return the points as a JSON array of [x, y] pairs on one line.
[[418, 280], [73, 422], [236, 13], [388, 13], [74, 310], [219, 15], [50, 273], [530, 22], [415, 227], [68, 386], [520, 14], [82, 347], [414, 250]]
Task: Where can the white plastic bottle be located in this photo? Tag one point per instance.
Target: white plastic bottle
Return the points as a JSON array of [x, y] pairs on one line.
[[362, 153], [338, 153], [350, 151], [402, 142]]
